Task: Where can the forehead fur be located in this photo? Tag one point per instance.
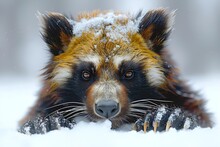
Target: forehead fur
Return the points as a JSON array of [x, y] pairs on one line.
[[112, 25], [107, 40]]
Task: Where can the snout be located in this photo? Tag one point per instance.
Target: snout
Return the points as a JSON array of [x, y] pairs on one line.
[[107, 108], [107, 100]]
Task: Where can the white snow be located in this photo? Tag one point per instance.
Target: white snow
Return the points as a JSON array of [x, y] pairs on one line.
[[108, 23], [176, 113], [18, 94], [160, 113], [187, 123]]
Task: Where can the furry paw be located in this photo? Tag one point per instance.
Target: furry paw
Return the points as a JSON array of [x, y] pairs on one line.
[[41, 125], [163, 118]]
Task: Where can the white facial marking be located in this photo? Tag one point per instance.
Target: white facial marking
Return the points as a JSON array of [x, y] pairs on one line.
[[155, 76], [61, 74], [117, 60], [95, 59]]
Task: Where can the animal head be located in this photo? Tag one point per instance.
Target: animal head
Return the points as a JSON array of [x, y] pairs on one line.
[[106, 60]]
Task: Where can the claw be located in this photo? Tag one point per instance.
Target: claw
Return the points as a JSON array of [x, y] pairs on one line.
[[146, 124], [168, 125], [155, 125]]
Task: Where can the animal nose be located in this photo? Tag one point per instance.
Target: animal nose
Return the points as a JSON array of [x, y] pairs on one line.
[[107, 108]]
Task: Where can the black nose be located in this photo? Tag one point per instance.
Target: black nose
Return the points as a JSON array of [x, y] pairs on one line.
[[107, 108]]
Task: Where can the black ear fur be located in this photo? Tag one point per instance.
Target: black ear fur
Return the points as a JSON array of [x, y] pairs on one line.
[[57, 32], [155, 28]]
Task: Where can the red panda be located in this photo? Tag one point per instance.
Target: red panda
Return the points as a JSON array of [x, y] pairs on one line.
[[112, 65]]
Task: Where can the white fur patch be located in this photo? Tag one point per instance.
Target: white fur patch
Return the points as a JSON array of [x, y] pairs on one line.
[[95, 59], [61, 74], [117, 60], [155, 76]]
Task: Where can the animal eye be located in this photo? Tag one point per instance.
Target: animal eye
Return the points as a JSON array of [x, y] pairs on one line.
[[129, 74], [86, 75]]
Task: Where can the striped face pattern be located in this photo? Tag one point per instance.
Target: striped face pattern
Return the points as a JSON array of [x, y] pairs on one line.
[[105, 60]]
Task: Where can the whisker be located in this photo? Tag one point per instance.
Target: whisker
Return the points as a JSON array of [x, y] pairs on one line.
[[147, 100], [137, 110], [73, 112], [155, 104], [67, 107], [142, 106], [86, 115], [134, 115], [78, 103], [158, 100], [72, 116]]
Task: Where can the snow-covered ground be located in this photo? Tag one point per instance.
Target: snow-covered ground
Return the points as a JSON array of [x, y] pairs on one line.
[[18, 94]]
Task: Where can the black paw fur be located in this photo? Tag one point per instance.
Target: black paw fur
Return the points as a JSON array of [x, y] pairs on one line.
[[41, 125], [164, 118]]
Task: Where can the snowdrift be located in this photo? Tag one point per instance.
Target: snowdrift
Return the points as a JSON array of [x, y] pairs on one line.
[[18, 94]]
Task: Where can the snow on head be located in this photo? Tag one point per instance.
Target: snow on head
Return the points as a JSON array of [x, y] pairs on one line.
[[114, 26]]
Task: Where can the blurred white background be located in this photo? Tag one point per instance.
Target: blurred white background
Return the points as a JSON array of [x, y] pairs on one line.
[[194, 42]]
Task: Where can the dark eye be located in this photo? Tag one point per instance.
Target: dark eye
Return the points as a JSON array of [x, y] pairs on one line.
[[129, 74], [86, 75]]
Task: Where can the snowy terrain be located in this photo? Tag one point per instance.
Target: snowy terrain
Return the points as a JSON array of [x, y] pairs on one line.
[[18, 94]]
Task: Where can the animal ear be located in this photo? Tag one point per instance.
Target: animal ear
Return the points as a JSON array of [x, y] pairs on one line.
[[57, 32], [155, 28]]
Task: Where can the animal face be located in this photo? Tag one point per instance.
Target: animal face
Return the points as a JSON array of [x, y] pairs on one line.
[[113, 66], [108, 61]]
